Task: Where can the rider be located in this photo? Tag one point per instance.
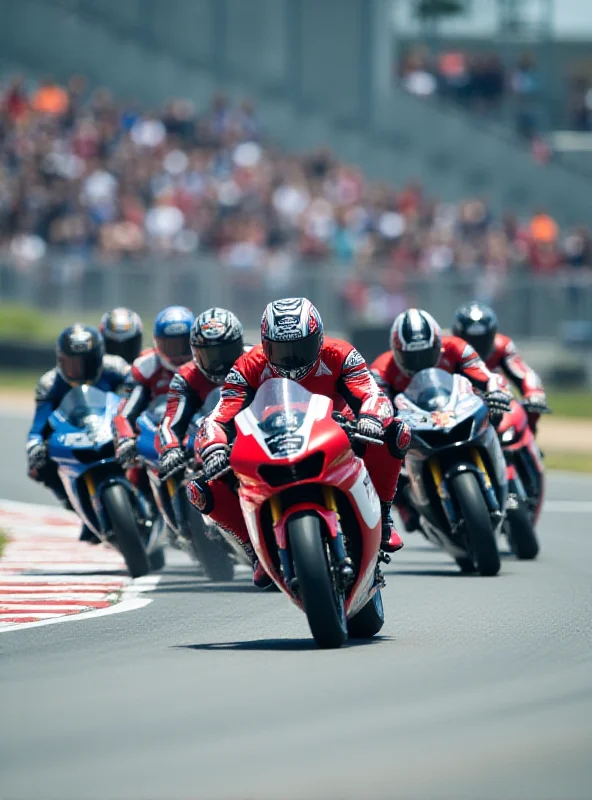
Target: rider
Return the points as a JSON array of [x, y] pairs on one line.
[[122, 331], [477, 324], [216, 342], [293, 346], [80, 359], [152, 373], [417, 343]]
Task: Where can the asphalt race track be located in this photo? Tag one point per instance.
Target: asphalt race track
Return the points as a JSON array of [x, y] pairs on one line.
[[478, 689]]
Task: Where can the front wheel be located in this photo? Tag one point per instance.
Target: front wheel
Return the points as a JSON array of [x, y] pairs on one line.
[[521, 533], [322, 603], [120, 511], [480, 534]]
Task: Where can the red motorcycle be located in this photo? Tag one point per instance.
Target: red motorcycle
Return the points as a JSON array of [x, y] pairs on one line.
[[526, 481], [312, 512]]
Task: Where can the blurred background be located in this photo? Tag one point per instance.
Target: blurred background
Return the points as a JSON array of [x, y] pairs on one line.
[[370, 154]]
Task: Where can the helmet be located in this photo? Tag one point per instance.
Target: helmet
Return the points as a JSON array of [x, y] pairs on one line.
[[216, 342], [416, 341], [172, 327], [477, 325], [122, 332], [79, 354], [292, 336]]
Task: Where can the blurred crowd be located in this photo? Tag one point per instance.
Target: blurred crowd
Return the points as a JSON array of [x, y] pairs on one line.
[[90, 176]]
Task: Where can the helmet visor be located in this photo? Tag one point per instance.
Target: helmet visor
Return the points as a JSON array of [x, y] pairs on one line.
[[294, 354], [174, 349], [413, 361], [481, 342], [77, 370], [216, 360]]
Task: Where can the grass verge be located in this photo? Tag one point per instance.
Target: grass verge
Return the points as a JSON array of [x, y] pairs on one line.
[[3, 541], [18, 380], [38, 326], [572, 462], [576, 404]]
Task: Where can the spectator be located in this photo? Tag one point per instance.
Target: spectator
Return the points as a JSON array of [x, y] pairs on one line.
[[50, 98]]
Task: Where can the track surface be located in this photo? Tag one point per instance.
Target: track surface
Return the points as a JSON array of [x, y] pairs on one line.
[[478, 689]]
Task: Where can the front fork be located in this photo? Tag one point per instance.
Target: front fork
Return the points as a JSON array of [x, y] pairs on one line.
[[344, 567]]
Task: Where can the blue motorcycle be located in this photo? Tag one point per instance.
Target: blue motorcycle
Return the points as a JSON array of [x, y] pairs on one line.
[[82, 446], [188, 530]]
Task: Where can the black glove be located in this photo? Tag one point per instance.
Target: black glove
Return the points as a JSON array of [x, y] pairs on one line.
[[536, 403], [171, 461], [126, 452], [37, 459], [498, 403], [216, 460], [370, 426]]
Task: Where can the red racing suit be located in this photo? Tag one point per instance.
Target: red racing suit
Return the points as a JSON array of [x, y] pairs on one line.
[[456, 356], [505, 359], [150, 379], [341, 374]]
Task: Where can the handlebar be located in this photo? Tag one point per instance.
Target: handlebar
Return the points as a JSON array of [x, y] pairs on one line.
[[351, 430]]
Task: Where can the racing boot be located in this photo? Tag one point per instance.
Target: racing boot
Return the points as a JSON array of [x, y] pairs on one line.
[[391, 541], [260, 578], [409, 517]]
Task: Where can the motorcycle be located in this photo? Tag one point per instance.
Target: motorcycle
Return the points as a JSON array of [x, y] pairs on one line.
[[525, 481], [457, 473], [188, 529], [311, 510], [81, 444]]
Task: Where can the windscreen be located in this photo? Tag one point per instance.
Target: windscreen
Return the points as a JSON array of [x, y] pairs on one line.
[[280, 407], [81, 403], [431, 389]]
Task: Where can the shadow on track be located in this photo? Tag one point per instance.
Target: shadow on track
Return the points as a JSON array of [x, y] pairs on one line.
[[203, 586], [276, 645], [431, 573]]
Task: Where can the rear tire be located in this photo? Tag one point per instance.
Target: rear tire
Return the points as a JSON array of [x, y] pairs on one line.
[[480, 534], [157, 560], [369, 619], [119, 509], [211, 553], [466, 565], [522, 535], [323, 608]]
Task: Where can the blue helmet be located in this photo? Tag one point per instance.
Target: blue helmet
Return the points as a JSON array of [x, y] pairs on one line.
[[172, 328]]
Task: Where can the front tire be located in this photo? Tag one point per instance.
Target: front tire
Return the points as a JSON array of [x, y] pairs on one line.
[[522, 535], [480, 534], [322, 605], [120, 511], [369, 619]]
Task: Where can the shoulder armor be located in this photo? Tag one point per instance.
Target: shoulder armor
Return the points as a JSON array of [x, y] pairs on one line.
[[45, 385]]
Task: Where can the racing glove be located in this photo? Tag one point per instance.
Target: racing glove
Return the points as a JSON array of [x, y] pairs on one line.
[[536, 403], [498, 403], [170, 461], [215, 460], [37, 459], [126, 452], [370, 426]]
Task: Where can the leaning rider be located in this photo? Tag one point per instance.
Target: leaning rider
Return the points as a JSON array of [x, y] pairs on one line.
[[80, 360], [293, 346]]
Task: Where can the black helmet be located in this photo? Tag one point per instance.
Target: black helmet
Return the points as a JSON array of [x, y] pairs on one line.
[[122, 332], [476, 324], [216, 342], [416, 341], [79, 354]]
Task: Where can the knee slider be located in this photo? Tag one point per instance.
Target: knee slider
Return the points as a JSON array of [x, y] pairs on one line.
[[200, 495]]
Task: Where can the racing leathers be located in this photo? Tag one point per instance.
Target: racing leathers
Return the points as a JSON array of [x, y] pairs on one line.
[[51, 390], [150, 379], [187, 393], [505, 358], [341, 374]]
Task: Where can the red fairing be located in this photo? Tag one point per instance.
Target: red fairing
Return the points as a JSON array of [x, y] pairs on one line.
[[456, 357], [505, 357], [341, 470], [524, 439]]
